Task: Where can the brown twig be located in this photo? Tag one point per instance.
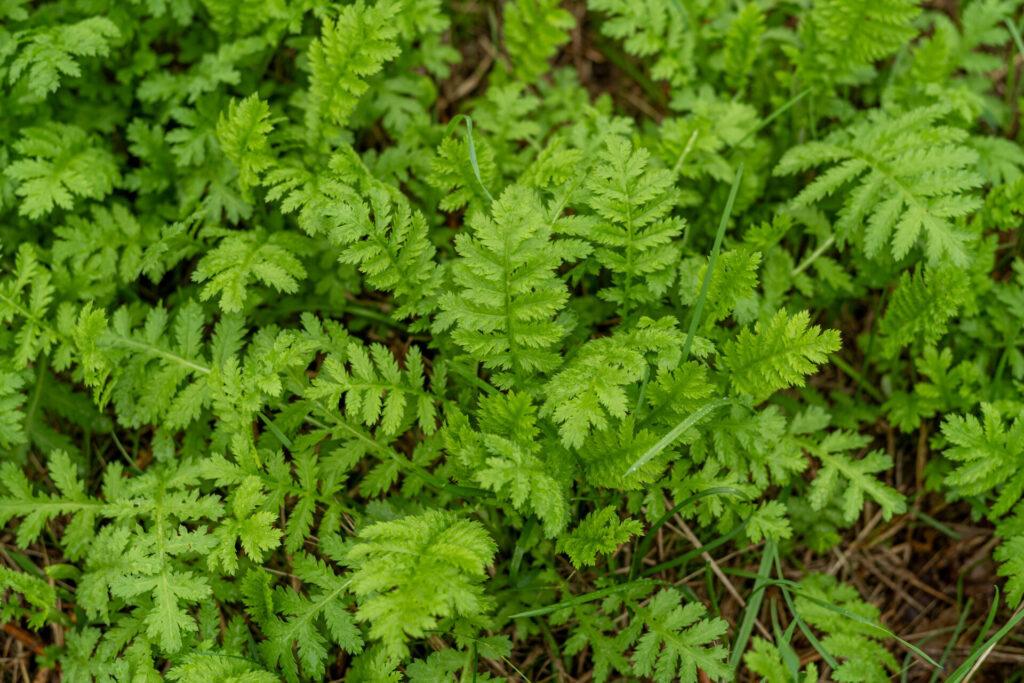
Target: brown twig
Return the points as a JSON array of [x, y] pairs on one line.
[[24, 637], [719, 573]]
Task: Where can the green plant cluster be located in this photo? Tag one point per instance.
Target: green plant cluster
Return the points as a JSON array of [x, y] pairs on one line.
[[314, 363]]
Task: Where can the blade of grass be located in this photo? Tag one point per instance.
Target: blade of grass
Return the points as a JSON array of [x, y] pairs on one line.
[[124, 454], [764, 582], [674, 433], [782, 640], [808, 634], [1001, 365], [643, 390], [967, 669], [699, 308], [276, 431], [645, 544], [850, 615], [1011, 72], [709, 582], [952, 641], [472, 377], [805, 264], [26, 563], [931, 521], [786, 106], [685, 153], [861, 384], [688, 592], [989, 620], [472, 148], [867, 622], [580, 599], [804, 628], [376, 316], [753, 605], [619, 59], [707, 547], [520, 549]]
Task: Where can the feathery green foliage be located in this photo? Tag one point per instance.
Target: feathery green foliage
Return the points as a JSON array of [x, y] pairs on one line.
[[509, 296], [634, 239], [914, 178], [534, 29], [600, 532], [776, 355], [672, 646], [381, 340], [410, 571]]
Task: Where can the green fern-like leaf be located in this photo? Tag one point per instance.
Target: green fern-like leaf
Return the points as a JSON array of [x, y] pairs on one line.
[[27, 596], [679, 641], [990, 456], [777, 354], [504, 455], [742, 43], [50, 53], [533, 31], [453, 172], [300, 641], [599, 532], [242, 258], [390, 244], [12, 431], [912, 178], [28, 296], [412, 571], [60, 162], [35, 509], [593, 387], [351, 48], [633, 237], [921, 307], [251, 525], [1011, 554], [867, 30], [733, 280], [853, 478], [242, 131], [854, 641], [653, 29], [508, 293], [377, 389]]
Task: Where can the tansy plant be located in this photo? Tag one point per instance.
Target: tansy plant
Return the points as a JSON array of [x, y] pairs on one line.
[[334, 349]]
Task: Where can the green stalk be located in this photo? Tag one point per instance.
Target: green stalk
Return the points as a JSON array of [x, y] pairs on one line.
[[706, 285]]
